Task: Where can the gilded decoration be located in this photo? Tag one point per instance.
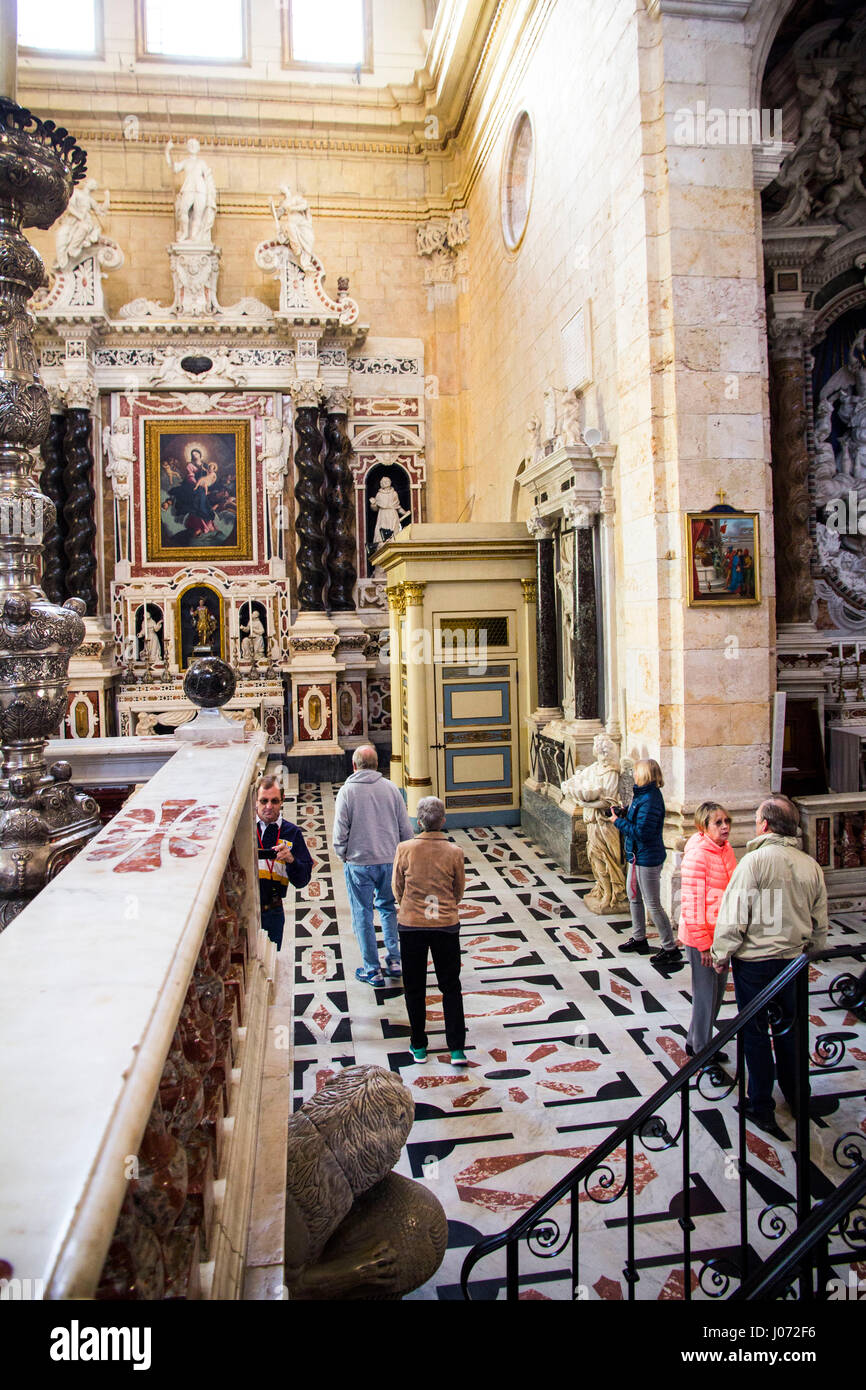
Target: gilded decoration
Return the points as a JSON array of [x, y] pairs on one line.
[[198, 490], [199, 622], [413, 593], [530, 590]]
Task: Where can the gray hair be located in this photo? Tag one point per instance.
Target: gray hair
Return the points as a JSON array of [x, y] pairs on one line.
[[430, 813], [781, 815], [365, 757]]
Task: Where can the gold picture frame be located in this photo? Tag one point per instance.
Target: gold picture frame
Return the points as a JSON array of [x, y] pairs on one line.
[[198, 490], [723, 556]]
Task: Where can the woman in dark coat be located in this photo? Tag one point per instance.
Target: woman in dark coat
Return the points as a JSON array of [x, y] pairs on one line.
[[641, 826]]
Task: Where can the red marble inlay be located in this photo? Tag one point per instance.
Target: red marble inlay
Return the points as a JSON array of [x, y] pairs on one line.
[[534, 1293], [764, 1151], [427, 1082], [518, 1095], [470, 909], [137, 838], [543, 1051], [323, 1077], [814, 974], [608, 1288], [527, 1000], [498, 1054], [859, 1054], [562, 1086], [481, 1170], [675, 1287], [470, 1097], [321, 1017], [578, 942], [318, 963], [586, 1064], [313, 890], [617, 987], [817, 1020], [674, 1050]]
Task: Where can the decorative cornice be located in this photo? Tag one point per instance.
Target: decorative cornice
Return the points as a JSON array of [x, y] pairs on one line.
[[733, 10]]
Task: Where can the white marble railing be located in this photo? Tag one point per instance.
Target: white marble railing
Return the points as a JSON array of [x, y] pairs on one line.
[[834, 833], [146, 947]]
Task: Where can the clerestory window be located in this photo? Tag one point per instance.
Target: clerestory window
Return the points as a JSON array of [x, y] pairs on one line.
[[68, 27], [328, 34], [192, 31]]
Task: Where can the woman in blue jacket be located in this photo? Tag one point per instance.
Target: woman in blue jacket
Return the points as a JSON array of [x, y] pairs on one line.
[[641, 826]]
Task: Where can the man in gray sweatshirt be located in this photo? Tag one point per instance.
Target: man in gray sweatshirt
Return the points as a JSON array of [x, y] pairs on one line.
[[370, 821]]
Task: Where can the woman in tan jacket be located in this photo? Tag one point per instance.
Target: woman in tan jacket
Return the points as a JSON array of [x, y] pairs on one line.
[[428, 882]]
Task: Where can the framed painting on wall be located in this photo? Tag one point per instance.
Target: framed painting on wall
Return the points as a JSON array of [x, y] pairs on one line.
[[198, 489], [723, 557]]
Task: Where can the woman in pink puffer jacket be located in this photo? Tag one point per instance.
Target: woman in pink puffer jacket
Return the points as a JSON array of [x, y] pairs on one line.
[[708, 863]]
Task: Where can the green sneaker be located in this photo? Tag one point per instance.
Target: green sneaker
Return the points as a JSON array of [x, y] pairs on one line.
[[419, 1053], [459, 1058]]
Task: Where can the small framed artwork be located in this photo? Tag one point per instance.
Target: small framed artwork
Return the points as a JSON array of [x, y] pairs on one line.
[[723, 556], [198, 488]]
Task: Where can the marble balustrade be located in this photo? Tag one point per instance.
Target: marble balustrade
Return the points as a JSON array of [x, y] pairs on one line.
[[133, 1004]]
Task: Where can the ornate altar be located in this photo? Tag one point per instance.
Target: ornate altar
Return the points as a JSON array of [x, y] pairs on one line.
[[224, 474]]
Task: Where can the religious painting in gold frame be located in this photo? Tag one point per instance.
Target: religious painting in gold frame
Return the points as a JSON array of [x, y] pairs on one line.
[[197, 484], [723, 555], [199, 621]]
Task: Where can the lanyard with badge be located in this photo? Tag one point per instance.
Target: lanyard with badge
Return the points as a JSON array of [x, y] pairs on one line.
[[270, 862]]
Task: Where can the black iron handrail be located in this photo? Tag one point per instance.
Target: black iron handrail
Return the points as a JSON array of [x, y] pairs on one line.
[[783, 1266], [647, 1124]]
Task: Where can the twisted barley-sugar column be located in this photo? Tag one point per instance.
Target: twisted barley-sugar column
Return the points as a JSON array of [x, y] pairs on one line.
[[54, 561], [308, 495], [78, 509], [340, 507]]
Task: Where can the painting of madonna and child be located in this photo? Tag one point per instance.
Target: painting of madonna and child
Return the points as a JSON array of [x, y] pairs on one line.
[[723, 557], [198, 490]]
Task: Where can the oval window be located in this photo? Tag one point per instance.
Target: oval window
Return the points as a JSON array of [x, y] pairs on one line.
[[518, 170]]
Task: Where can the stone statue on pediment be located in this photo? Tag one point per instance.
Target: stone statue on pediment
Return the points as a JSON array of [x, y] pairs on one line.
[[80, 227], [195, 204], [596, 788], [295, 227]]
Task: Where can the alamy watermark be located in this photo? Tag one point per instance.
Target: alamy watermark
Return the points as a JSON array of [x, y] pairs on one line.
[[847, 515], [713, 125], [22, 516]]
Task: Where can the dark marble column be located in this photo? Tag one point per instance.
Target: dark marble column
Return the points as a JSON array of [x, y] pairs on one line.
[[790, 457], [545, 616], [339, 506], [586, 622], [79, 542], [54, 561], [309, 522]]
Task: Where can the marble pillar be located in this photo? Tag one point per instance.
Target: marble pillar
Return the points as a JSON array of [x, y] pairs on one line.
[[416, 777], [309, 521], [80, 539], [791, 507], [396, 608], [54, 562], [339, 505], [546, 644]]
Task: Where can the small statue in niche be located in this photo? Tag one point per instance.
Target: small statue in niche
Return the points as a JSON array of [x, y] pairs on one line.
[[195, 205], [295, 227], [570, 423], [149, 643], [596, 788], [253, 644], [204, 622], [354, 1229], [389, 511], [146, 723], [80, 226], [533, 429]]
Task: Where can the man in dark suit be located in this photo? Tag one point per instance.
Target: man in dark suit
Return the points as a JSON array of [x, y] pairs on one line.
[[283, 857]]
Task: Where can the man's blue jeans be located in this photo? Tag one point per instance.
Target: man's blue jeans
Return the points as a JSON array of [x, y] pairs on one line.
[[369, 885]]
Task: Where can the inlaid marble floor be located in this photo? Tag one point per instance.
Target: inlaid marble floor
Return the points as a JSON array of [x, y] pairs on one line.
[[565, 1039]]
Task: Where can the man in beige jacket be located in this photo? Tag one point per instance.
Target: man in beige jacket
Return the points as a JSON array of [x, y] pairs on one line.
[[428, 881], [774, 907]]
